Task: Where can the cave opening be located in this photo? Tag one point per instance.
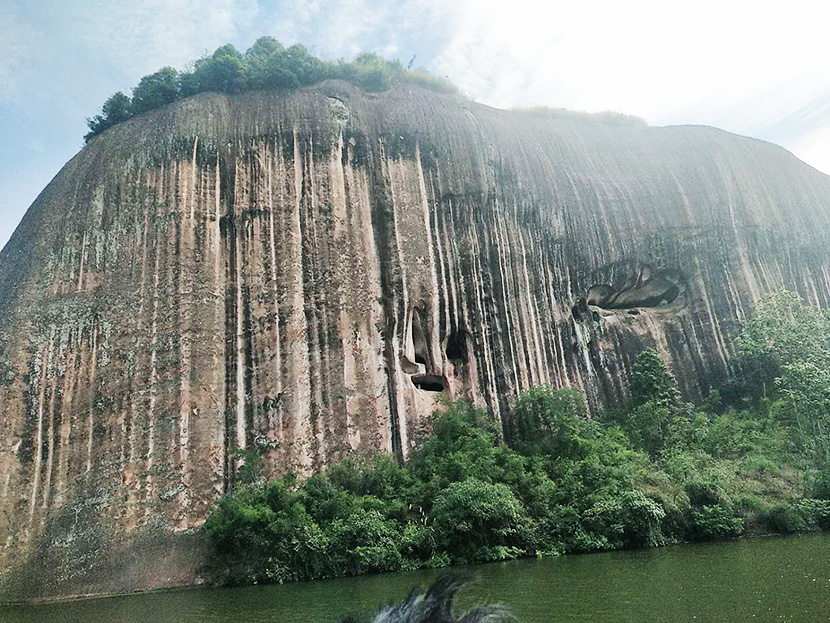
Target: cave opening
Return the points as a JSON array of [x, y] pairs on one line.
[[631, 284], [419, 339], [457, 346], [430, 382]]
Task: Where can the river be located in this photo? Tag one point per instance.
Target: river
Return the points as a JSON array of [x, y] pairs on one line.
[[753, 580]]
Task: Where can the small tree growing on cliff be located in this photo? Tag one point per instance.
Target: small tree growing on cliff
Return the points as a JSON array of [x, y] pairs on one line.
[[653, 401], [652, 381], [155, 90], [115, 110]]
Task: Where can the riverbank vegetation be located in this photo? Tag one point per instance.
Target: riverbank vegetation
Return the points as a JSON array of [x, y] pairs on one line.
[[266, 65], [752, 458]]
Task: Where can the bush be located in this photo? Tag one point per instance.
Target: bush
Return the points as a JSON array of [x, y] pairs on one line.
[[816, 512], [784, 518], [477, 521], [633, 520], [703, 493], [547, 421], [709, 523], [365, 542]]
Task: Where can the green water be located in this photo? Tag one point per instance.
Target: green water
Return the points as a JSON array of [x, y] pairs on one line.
[[779, 579]]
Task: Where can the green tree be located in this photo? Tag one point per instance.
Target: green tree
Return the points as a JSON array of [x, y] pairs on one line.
[[548, 421], [647, 426], [155, 90], [806, 390], [265, 65], [476, 521], [366, 542], [652, 381], [784, 329], [225, 71], [115, 110], [653, 404], [792, 339]]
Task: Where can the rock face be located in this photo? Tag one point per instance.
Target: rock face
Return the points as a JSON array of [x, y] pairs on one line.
[[307, 273]]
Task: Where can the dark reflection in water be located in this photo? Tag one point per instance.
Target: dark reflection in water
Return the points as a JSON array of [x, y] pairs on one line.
[[780, 580]]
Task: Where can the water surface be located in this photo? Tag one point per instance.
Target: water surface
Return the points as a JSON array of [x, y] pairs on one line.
[[761, 580]]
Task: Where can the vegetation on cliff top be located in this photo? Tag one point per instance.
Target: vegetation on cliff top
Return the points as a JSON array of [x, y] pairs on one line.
[[753, 458], [608, 117], [268, 65], [265, 65]]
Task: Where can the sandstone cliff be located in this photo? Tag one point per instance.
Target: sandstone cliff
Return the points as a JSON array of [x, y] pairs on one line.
[[308, 273]]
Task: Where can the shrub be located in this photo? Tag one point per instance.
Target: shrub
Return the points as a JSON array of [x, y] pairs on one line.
[[703, 493], [365, 542], [784, 518], [816, 512], [709, 523], [547, 421], [477, 521], [633, 520]]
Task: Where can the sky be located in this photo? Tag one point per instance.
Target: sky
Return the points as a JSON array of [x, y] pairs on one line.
[[757, 68]]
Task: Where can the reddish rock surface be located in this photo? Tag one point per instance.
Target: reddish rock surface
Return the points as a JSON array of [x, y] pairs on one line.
[[308, 273]]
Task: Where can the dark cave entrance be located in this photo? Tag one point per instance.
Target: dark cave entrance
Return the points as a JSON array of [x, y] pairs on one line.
[[430, 382], [457, 346], [419, 339]]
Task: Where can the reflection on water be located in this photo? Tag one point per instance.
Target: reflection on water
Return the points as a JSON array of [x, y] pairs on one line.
[[780, 580]]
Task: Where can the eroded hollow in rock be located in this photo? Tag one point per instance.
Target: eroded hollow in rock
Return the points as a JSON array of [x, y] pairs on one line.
[[635, 284], [419, 340], [457, 346], [430, 382]]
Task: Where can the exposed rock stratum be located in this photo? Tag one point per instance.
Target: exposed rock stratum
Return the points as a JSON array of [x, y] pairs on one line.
[[308, 273]]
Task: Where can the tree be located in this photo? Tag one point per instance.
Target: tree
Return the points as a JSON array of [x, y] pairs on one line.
[[647, 426], [476, 521], [263, 48], [784, 329], [547, 421], [806, 388], [115, 110], [651, 381], [793, 340], [225, 71], [653, 403], [155, 90]]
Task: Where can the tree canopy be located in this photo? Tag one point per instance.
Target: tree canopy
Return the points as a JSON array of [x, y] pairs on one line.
[[267, 64]]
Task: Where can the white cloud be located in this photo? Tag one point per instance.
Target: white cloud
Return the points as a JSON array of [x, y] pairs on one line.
[[344, 28], [742, 65], [140, 36], [21, 46], [814, 148]]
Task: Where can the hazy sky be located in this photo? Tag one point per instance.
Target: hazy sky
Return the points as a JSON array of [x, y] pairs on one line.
[[753, 67]]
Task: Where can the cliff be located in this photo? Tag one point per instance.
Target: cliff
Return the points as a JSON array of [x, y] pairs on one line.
[[308, 273]]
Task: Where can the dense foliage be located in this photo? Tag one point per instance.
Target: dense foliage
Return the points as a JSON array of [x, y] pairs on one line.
[[265, 65], [650, 472]]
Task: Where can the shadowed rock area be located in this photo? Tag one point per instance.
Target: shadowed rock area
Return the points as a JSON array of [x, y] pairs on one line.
[[309, 273]]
